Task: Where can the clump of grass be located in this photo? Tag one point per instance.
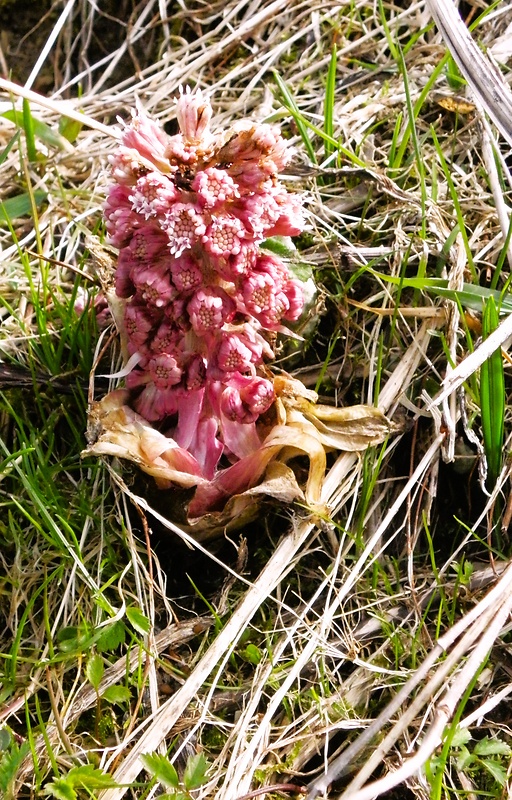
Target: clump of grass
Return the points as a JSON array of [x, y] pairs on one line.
[[332, 652]]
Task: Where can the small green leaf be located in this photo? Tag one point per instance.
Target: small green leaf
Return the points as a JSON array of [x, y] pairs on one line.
[[460, 737], [95, 670], [159, 767], [137, 619], [90, 777], [61, 790], [5, 739], [492, 747], [10, 762], [111, 636], [280, 245], [117, 695], [464, 758], [252, 654], [195, 771], [73, 639], [174, 796], [69, 128], [498, 772]]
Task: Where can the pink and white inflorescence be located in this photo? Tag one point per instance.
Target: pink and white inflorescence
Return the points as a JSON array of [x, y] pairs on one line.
[[188, 213]]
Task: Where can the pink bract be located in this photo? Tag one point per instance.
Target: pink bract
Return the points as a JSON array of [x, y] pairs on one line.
[[189, 213]]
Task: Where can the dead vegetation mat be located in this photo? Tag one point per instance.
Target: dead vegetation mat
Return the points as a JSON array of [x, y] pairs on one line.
[[335, 655]]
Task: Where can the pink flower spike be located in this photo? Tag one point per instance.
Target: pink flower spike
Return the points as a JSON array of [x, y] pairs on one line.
[[224, 236], [214, 187], [194, 113], [209, 309], [184, 226]]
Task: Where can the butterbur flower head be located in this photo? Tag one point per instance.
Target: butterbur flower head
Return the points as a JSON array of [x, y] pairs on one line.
[[184, 226], [164, 370], [214, 187], [258, 395], [224, 236], [209, 309], [153, 194], [138, 322], [186, 274], [188, 213], [153, 284], [234, 356]]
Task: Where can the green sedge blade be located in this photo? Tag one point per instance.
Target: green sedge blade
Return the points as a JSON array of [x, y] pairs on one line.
[[492, 398]]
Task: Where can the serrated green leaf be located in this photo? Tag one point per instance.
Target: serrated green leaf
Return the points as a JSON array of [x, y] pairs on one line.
[[460, 737], [492, 747], [159, 767], [95, 670], [137, 619], [10, 762], [117, 695], [90, 777], [61, 790], [498, 772], [20, 205], [195, 771], [111, 636], [464, 758]]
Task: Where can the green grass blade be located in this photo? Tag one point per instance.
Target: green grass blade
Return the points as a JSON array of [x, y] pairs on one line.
[[41, 130], [330, 88], [293, 108], [20, 205], [492, 398], [28, 127]]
